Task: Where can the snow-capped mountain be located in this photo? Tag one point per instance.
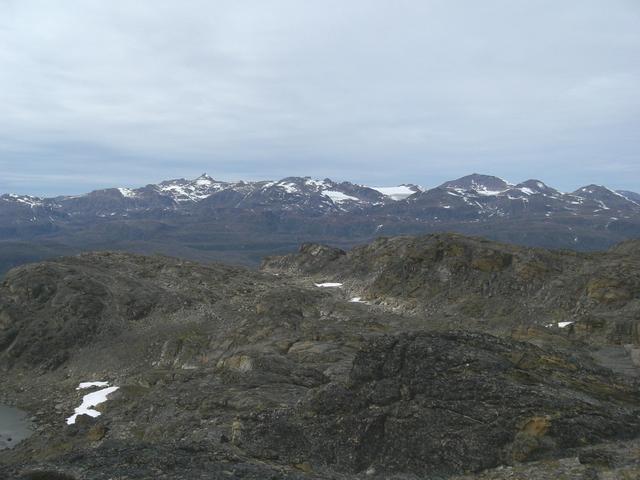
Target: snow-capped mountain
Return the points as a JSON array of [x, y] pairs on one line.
[[27, 200], [302, 194], [481, 196], [204, 218], [474, 196], [308, 195]]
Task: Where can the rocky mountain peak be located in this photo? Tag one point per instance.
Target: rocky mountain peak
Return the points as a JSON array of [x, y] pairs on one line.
[[594, 190], [483, 184], [536, 186], [204, 179]]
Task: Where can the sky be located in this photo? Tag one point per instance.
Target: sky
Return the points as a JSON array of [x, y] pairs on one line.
[[97, 93]]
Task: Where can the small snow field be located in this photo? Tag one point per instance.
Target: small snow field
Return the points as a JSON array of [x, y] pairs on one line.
[[558, 325], [85, 385], [357, 300], [328, 285], [91, 400], [396, 193], [127, 192], [338, 197]]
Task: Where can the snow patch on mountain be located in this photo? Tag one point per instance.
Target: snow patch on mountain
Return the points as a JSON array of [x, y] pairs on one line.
[[182, 190], [338, 197], [90, 401], [288, 187], [482, 190], [399, 192], [127, 192], [24, 199], [316, 183]]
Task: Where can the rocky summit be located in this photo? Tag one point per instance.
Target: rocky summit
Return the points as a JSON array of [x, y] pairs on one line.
[[431, 357]]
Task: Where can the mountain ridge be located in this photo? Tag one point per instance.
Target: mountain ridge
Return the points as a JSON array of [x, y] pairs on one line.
[[184, 190], [205, 219]]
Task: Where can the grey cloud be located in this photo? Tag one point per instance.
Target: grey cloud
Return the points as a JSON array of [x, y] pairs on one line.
[[375, 91]]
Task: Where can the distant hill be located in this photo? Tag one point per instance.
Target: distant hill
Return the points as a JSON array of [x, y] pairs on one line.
[[204, 219]]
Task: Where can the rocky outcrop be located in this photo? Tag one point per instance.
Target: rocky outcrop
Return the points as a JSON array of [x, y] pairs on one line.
[[446, 403], [311, 258], [481, 281], [450, 362]]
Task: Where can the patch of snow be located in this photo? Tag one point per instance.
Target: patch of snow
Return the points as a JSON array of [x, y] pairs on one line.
[[564, 324], [316, 183], [288, 187], [192, 190], [176, 189], [357, 300], [328, 285], [204, 180], [85, 385], [26, 199], [89, 401], [395, 193], [527, 190], [127, 192], [184, 193], [488, 193], [338, 197]]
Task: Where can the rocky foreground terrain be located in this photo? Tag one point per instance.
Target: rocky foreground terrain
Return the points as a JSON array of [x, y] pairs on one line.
[[434, 357]]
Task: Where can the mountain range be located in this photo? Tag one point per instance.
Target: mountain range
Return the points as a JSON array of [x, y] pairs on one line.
[[205, 219]]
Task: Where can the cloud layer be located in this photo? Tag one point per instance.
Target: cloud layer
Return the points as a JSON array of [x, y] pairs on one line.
[[97, 93]]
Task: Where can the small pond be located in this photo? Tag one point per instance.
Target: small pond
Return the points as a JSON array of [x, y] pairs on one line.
[[14, 426]]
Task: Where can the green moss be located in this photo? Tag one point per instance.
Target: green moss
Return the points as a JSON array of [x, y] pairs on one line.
[[473, 306], [608, 290], [492, 262]]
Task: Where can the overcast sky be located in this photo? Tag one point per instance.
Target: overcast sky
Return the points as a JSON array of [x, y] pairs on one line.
[[97, 93]]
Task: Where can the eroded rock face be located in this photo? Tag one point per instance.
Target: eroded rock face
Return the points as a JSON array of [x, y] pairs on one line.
[[444, 403], [311, 258]]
